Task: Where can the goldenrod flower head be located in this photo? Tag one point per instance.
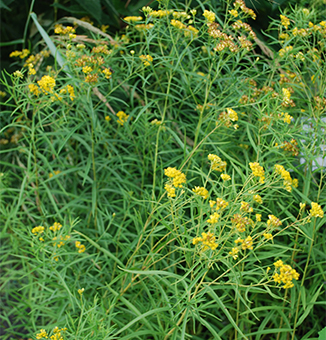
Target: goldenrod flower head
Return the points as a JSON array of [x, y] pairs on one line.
[[170, 190], [221, 204], [208, 240], [234, 253], [71, 92], [38, 230], [133, 18], [209, 15], [107, 72], [316, 210], [285, 21], [146, 59], [258, 217], [47, 84], [213, 218], [56, 226], [178, 24], [34, 89], [268, 236], [286, 274], [178, 177], [246, 207], [203, 192], [123, 117], [258, 199], [80, 246], [87, 69], [247, 243], [21, 54], [42, 334], [225, 177], [216, 163], [18, 74], [258, 171], [234, 12], [273, 221], [279, 169]]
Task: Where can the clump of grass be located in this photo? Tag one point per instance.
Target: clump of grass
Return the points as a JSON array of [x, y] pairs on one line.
[[99, 244]]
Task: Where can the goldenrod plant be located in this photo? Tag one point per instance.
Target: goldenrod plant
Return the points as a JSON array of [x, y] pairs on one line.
[[160, 184]]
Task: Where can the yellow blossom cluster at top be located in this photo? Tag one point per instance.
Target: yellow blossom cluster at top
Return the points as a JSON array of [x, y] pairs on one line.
[[288, 181], [47, 84], [316, 210], [207, 239], [146, 59], [285, 21], [21, 54], [57, 334], [286, 275], [216, 163], [59, 29], [209, 15], [189, 31], [220, 204], [241, 4], [133, 18], [213, 218], [258, 171], [178, 177], [200, 191], [81, 248], [273, 221], [246, 243], [123, 117]]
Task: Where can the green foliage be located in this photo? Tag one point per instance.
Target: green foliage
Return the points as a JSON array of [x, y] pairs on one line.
[[108, 229]]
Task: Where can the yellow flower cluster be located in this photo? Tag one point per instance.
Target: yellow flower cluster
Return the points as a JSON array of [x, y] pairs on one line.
[[246, 207], [286, 275], [288, 181], [143, 27], [146, 59], [209, 15], [268, 236], [122, 117], [286, 117], [234, 252], [258, 199], [225, 177], [316, 210], [56, 226], [287, 98], [59, 29], [241, 4], [228, 116], [189, 31], [220, 204], [207, 239], [57, 334], [21, 54], [258, 171], [273, 221], [59, 241], [38, 230], [178, 177], [47, 84], [247, 243], [201, 191], [213, 218], [241, 222], [56, 172], [107, 72], [170, 190], [160, 13], [80, 246], [285, 21], [216, 163], [133, 18]]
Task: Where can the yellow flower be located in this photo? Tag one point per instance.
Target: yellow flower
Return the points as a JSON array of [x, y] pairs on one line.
[[46, 84], [178, 177], [122, 117], [258, 171], [170, 190], [225, 177], [208, 240], [216, 163], [234, 12], [316, 210], [273, 221], [71, 92], [246, 207], [209, 15], [258, 217], [34, 89], [286, 274], [18, 74], [107, 118], [81, 291], [38, 230], [146, 59], [268, 236], [56, 226], [258, 199], [234, 253], [87, 69], [285, 21], [133, 18], [201, 192], [221, 204], [80, 246], [42, 334], [107, 72], [213, 218]]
